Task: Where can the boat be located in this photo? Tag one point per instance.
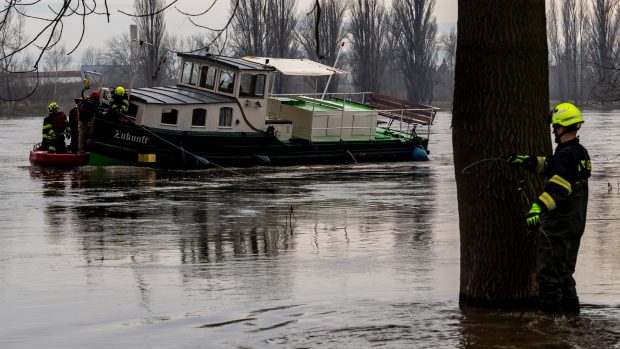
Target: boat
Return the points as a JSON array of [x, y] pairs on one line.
[[221, 113], [43, 158]]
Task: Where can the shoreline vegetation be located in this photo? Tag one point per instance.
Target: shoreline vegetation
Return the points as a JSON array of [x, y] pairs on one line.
[[63, 93]]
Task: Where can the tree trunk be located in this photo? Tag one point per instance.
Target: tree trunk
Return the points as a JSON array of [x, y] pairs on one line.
[[501, 107]]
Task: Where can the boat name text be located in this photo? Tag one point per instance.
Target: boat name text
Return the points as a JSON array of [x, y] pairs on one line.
[[126, 136]]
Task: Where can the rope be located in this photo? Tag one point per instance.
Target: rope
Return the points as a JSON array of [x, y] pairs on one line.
[[480, 161]]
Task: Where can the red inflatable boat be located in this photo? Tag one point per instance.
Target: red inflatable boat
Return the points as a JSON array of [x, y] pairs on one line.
[[45, 159]]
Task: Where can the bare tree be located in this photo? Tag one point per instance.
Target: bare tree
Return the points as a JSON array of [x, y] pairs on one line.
[[44, 25], [12, 36], [570, 25], [249, 28], [603, 31], [117, 56], [281, 21], [92, 56], [567, 41], [447, 45], [332, 30], [555, 49], [583, 70], [501, 107], [369, 30], [204, 43], [414, 29], [152, 32], [56, 59]]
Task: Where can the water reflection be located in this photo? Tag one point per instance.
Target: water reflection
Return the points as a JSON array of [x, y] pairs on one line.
[[334, 256], [215, 219], [529, 330]]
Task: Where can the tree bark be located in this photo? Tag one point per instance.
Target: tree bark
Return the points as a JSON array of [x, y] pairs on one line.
[[501, 107]]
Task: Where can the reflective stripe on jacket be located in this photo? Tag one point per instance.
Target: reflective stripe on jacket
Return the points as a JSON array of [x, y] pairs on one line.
[[569, 166]]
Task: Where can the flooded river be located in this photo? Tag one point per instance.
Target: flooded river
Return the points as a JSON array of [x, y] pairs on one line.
[[351, 256]]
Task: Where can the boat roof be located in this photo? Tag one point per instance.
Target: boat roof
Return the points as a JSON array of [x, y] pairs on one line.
[[232, 62], [178, 95], [295, 66]]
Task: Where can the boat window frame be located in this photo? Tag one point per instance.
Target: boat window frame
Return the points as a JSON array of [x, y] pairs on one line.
[[206, 113], [193, 69], [230, 91], [204, 81], [230, 116], [254, 82], [171, 111]]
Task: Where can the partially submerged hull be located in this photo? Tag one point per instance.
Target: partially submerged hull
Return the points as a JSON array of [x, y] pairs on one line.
[[122, 143], [220, 113], [44, 159]]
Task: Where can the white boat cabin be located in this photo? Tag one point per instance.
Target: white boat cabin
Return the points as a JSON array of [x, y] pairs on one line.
[[225, 94], [213, 93]]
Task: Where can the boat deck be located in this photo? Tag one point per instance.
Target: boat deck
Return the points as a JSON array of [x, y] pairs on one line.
[[381, 134], [316, 104]]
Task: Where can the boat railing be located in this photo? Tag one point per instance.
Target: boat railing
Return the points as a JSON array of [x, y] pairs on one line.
[[395, 113], [358, 97], [389, 107]]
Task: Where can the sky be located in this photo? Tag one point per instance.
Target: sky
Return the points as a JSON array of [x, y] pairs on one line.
[[98, 29]]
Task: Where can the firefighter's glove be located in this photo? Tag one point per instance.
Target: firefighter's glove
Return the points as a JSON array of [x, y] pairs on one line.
[[521, 161], [533, 217]]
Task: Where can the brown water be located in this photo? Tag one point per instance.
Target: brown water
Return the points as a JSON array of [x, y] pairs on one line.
[[351, 256]]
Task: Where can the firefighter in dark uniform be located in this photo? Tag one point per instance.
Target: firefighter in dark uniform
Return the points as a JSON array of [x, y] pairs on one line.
[[119, 102], [55, 128], [560, 211]]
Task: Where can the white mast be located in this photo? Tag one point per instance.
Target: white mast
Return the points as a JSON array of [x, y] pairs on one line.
[[335, 63]]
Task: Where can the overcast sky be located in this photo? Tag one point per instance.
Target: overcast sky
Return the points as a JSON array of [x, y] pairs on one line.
[[98, 29]]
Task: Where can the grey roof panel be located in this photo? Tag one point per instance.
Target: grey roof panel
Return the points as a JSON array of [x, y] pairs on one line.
[[178, 95], [236, 63]]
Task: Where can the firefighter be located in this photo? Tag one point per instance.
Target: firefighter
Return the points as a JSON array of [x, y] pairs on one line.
[[119, 101], [559, 213], [88, 109], [55, 128]]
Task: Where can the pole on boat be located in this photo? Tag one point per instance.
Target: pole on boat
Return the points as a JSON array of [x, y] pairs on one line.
[[133, 41], [135, 49], [335, 62]]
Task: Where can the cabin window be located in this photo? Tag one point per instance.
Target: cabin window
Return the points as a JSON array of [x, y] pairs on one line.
[[207, 77], [227, 81], [188, 71], [169, 116], [199, 117], [252, 85], [259, 86], [193, 79], [225, 117]]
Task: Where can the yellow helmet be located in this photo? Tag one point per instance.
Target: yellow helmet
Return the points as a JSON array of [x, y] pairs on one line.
[[53, 106], [119, 91], [566, 114]]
